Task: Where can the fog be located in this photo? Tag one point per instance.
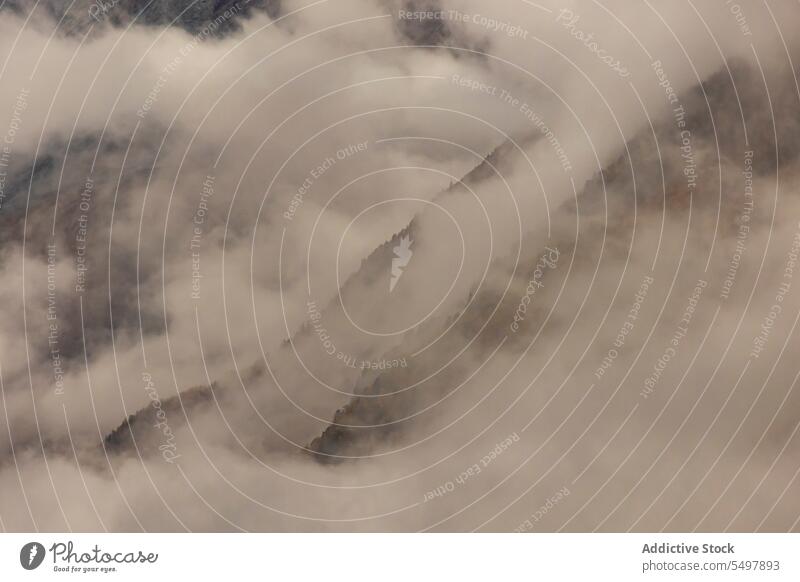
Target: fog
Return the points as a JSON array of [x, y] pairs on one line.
[[387, 265]]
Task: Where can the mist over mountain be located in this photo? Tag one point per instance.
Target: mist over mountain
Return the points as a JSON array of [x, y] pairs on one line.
[[393, 265]]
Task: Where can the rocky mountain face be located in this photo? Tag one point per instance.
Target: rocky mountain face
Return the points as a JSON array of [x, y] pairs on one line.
[[78, 17], [378, 414], [368, 423]]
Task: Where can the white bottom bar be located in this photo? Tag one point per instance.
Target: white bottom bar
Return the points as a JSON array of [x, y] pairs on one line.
[[403, 557]]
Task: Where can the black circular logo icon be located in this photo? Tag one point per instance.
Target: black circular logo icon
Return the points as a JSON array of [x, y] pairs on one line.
[[31, 555]]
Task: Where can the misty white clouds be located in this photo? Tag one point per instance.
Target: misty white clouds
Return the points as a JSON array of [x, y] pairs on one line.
[[231, 190]]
